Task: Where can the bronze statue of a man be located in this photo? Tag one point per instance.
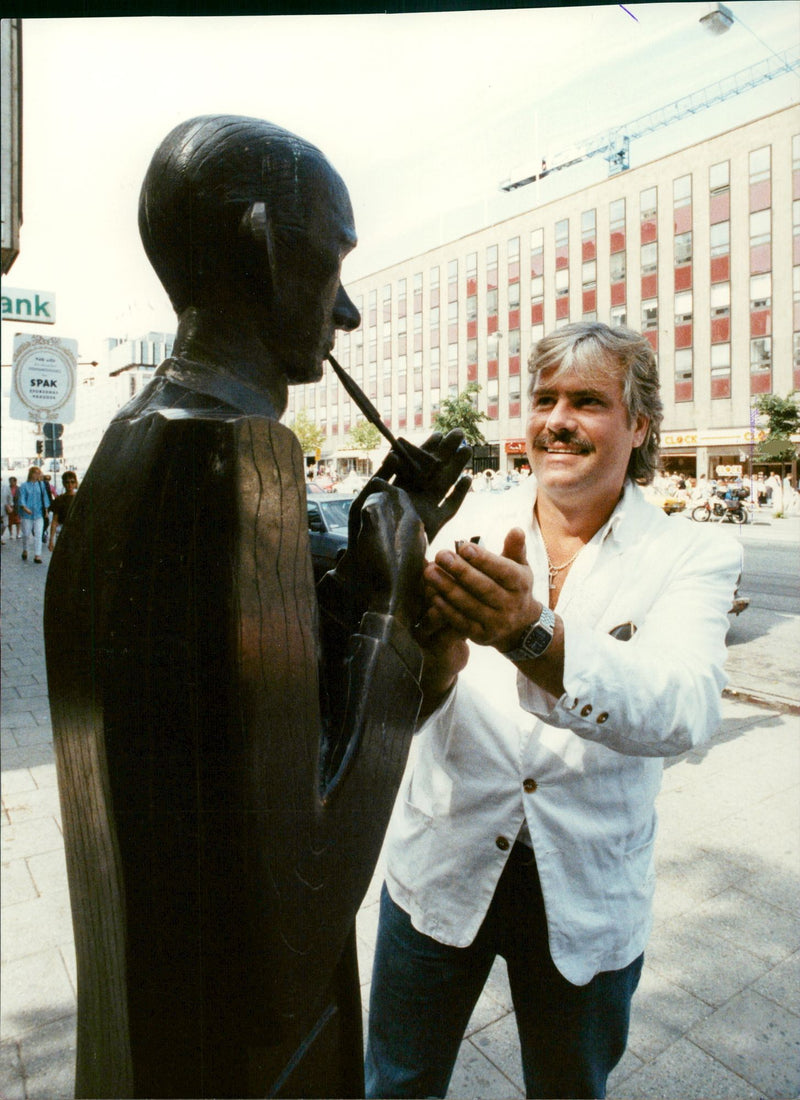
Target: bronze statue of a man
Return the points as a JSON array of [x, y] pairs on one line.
[[229, 742]]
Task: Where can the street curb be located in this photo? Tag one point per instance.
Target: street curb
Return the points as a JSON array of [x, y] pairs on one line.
[[762, 699]]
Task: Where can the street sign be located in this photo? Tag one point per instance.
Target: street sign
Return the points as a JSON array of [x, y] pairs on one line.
[[38, 306], [53, 447], [43, 386]]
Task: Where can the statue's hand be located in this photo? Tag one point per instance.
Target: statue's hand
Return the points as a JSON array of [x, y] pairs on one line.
[[386, 551], [430, 496]]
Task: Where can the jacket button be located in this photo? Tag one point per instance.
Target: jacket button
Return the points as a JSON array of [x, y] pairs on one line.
[[529, 785], [502, 843], [586, 710], [601, 718]]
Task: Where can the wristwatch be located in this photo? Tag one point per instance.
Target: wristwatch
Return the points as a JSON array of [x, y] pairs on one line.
[[535, 639]]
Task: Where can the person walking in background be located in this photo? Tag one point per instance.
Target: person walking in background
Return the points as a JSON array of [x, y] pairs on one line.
[[60, 508], [33, 502], [10, 494]]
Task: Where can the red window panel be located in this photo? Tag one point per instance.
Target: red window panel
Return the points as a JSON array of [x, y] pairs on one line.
[[417, 420], [618, 293], [491, 279], [335, 428], [683, 336], [760, 195], [682, 219], [562, 256], [649, 230], [434, 337], [401, 383], [562, 307], [652, 338], [452, 292], [720, 330], [796, 377], [347, 426], [537, 313], [761, 381], [491, 324], [589, 301], [796, 249], [513, 271], [472, 286], [796, 185], [513, 318], [452, 334], [472, 372], [721, 387], [720, 207], [796, 317], [537, 264], [387, 349], [617, 240], [588, 250], [418, 301], [387, 311], [387, 421], [649, 286], [720, 269], [401, 421], [683, 277], [513, 364], [492, 368], [514, 408], [684, 390], [493, 410], [417, 341], [472, 330], [761, 322], [434, 299], [387, 387], [760, 258]]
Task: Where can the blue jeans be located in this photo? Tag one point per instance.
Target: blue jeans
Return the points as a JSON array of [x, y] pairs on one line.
[[423, 994]]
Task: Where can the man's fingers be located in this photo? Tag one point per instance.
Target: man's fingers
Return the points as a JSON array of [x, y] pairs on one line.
[[514, 546]]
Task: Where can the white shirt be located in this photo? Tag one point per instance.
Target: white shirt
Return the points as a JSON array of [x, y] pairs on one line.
[[594, 756]]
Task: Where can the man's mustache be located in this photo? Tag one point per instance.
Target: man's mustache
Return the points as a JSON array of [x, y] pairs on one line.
[[546, 439]]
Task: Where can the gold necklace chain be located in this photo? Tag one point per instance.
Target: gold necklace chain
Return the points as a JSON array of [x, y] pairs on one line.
[[552, 570]]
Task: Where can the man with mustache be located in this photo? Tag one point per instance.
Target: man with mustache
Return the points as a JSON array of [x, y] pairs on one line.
[[562, 664]]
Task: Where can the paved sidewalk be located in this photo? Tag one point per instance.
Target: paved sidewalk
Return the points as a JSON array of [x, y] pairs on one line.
[[718, 1010]]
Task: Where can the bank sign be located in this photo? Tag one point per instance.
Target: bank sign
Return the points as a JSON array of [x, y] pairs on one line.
[[38, 306], [45, 371]]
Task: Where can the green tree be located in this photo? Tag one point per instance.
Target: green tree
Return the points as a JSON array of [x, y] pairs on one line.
[[462, 412], [364, 436], [783, 421], [310, 435]]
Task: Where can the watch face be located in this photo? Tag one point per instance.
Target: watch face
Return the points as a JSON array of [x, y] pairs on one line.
[[538, 640]]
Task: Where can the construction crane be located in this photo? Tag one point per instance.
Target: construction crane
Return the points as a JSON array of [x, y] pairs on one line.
[[614, 144]]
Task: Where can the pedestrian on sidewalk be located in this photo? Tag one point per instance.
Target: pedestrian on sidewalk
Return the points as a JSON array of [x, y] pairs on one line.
[[561, 665], [61, 505], [10, 495], [33, 502]]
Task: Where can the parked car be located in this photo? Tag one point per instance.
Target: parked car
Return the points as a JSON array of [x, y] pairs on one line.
[[327, 530]]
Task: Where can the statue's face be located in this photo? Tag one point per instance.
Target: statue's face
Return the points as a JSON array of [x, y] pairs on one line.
[[309, 303]]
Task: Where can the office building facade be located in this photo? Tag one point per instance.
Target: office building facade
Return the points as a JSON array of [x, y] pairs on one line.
[[699, 250]]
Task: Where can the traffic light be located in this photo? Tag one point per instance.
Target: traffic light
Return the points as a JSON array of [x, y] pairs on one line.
[[53, 447], [39, 446]]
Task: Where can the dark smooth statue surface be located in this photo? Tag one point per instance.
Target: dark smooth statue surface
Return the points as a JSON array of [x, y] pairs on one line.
[[229, 742]]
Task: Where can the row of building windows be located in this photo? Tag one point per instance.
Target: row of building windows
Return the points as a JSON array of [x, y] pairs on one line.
[[418, 321]]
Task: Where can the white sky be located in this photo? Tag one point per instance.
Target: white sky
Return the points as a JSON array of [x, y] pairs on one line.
[[423, 116]]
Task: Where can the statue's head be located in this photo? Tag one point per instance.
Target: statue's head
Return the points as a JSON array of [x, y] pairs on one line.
[[236, 213]]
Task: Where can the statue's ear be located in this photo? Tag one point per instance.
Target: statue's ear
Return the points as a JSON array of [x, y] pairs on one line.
[[256, 227]]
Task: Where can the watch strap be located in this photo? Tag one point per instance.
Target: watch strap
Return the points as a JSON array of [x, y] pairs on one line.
[[535, 638]]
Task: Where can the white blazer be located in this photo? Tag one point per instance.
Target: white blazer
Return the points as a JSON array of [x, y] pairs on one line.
[[594, 756]]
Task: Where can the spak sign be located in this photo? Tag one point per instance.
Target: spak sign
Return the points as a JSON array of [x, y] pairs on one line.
[[45, 371]]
